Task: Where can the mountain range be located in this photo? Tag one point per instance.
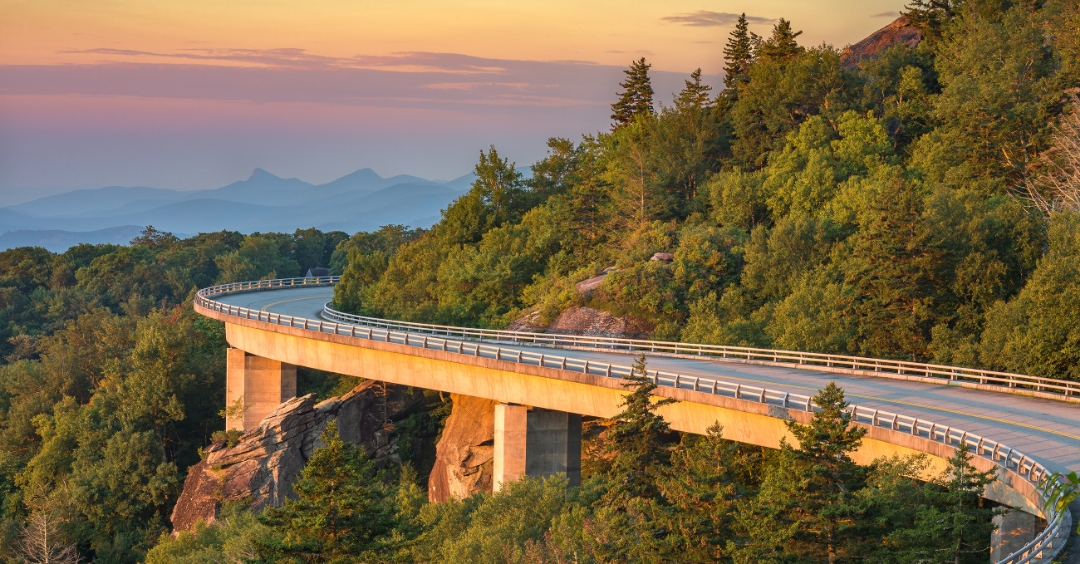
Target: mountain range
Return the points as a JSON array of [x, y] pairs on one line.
[[361, 201]]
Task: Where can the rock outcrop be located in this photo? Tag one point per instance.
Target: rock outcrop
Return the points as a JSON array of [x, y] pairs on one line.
[[263, 465], [589, 284], [593, 322], [899, 32], [465, 453]]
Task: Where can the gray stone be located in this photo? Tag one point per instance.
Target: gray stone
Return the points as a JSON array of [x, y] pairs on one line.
[[266, 461]]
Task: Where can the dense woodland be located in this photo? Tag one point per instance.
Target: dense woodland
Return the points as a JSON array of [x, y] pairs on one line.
[[922, 204]]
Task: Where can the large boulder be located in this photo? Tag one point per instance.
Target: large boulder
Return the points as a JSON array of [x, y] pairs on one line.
[[593, 322], [263, 465], [464, 457]]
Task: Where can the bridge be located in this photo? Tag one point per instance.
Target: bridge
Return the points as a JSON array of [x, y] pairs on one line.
[[1023, 427]]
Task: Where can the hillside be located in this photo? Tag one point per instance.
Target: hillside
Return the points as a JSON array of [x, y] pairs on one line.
[[919, 205]]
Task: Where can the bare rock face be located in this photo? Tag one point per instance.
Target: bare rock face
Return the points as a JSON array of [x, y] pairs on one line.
[[596, 323], [464, 456], [899, 32], [589, 284], [263, 466]]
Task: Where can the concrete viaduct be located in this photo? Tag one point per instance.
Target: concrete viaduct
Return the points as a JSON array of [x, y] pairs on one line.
[[1024, 427]]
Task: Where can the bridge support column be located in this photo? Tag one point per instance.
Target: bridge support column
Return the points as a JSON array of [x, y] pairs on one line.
[[535, 442], [262, 383]]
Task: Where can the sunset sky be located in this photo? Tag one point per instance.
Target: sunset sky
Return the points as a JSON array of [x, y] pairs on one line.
[[196, 94]]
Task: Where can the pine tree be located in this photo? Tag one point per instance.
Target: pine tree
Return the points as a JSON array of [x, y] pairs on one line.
[[827, 474], [739, 55], [708, 477], [782, 46], [955, 524], [893, 267], [636, 439], [694, 94], [339, 511], [637, 95], [932, 16]]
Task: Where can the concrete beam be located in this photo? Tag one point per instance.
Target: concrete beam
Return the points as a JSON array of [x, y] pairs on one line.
[[262, 383]]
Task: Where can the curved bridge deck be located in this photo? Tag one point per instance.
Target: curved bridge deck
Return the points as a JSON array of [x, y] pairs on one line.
[[1045, 431]]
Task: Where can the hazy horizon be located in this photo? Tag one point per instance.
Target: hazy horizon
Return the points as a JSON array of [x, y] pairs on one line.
[[196, 95]]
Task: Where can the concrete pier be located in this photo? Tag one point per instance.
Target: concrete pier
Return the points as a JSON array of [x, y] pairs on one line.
[[1014, 530], [535, 442], [262, 383]]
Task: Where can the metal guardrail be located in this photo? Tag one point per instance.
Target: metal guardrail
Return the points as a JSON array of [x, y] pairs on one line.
[[421, 336], [1007, 382]]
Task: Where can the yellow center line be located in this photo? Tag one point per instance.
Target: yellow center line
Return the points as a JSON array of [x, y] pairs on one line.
[[924, 406], [268, 306]]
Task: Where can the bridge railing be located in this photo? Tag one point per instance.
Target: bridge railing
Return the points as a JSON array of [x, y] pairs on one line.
[[1006, 382], [408, 334]]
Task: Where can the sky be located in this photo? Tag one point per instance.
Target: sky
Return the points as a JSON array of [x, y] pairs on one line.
[[196, 94]]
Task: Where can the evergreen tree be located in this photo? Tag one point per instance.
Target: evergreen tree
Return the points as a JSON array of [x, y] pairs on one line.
[[686, 141], [707, 478], [826, 473], [339, 512], [739, 55], [955, 525], [637, 95], [932, 17], [694, 94], [891, 274], [782, 46], [637, 439]]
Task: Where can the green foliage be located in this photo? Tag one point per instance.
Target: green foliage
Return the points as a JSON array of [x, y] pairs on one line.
[[783, 92], [636, 440], [1036, 332], [707, 480], [816, 483], [865, 209], [636, 97], [103, 402], [996, 70], [739, 55], [956, 522], [231, 538], [340, 511], [781, 45]]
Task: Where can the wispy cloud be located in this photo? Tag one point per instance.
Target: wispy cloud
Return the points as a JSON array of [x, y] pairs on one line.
[[705, 18], [300, 59], [885, 15], [435, 81]]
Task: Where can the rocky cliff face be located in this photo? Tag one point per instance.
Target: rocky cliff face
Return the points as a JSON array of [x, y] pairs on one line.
[[899, 32], [464, 455], [266, 461]]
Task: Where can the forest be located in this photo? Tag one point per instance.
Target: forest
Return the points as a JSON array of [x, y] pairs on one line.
[[920, 204]]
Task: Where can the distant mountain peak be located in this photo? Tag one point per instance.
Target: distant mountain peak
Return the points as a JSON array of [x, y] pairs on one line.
[[365, 173], [260, 174]]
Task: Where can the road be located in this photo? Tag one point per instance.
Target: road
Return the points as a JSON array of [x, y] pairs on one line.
[[1047, 430]]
